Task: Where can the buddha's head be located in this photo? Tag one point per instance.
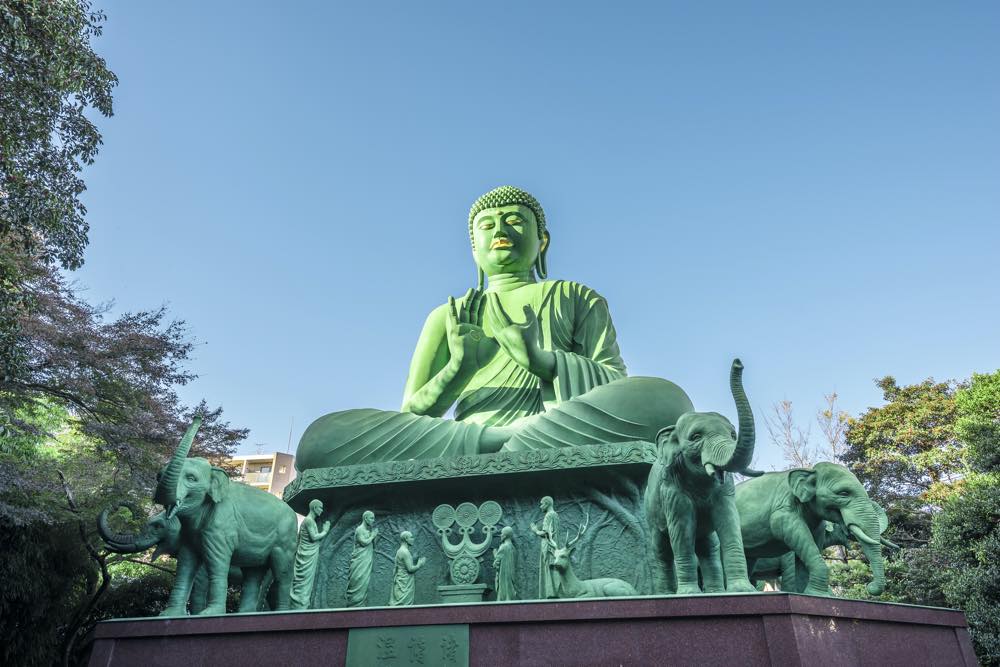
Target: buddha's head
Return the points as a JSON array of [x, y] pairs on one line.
[[406, 537], [369, 518], [507, 230], [507, 533]]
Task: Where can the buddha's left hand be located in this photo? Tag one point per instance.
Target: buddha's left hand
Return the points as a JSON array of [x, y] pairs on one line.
[[523, 341]]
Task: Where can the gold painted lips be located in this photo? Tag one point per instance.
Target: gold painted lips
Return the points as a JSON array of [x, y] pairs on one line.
[[501, 243]]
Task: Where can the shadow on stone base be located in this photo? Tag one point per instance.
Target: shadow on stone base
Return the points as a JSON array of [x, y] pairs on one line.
[[752, 629]]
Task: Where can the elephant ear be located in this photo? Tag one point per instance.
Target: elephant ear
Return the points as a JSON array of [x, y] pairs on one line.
[[803, 484], [664, 436], [219, 488], [883, 518]]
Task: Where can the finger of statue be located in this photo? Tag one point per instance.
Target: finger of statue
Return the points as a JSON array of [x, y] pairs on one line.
[[451, 323], [466, 303], [476, 309]]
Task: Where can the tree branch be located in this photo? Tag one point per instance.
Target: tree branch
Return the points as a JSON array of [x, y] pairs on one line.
[[74, 627]]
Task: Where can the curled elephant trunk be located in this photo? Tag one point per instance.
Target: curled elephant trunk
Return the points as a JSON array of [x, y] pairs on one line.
[[123, 543], [743, 453], [166, 486]]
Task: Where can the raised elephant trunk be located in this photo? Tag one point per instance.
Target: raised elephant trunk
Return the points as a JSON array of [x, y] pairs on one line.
[[166, 487], [123, 543], [743, 453]]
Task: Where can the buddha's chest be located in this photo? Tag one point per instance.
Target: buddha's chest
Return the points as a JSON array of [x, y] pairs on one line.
[[508, 308]]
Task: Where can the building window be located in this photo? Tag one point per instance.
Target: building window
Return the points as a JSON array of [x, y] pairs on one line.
[[265, 468], [281, 470]]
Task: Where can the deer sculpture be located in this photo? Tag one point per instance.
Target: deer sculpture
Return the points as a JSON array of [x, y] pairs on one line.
[[567, 583]]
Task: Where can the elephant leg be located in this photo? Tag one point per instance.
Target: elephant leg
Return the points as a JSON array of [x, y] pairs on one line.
[[797, 536], [265, 601], [187, 565], [218, 557], [250, 593], [282, 562], [734, 562], [681, 518], [662, 565], [758, 583], [199, 591], [800, 576], [788, 573], [710, 564]]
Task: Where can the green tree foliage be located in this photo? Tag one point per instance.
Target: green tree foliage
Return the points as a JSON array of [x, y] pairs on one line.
[[978, 423], [967, 539], [930, 455], [907, 453], [50, 78]]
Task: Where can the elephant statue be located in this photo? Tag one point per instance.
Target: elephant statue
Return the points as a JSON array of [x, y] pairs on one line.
[[792, 572], [690, 502], [785, 511], [165, 534], [224, 524]]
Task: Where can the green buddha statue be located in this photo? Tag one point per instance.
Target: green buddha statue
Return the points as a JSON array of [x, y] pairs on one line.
[[528, 363]]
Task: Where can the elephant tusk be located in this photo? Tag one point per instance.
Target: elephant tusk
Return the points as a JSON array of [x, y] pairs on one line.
[[862, 535], [887, 543], [719, 475], [173, 510]]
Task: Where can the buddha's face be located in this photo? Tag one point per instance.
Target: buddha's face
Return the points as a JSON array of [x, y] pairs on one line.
[[506, 239]]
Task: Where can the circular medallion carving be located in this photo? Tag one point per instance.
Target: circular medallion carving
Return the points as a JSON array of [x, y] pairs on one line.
[[464, 570], [443, 517], [490, 513], [466, 515]]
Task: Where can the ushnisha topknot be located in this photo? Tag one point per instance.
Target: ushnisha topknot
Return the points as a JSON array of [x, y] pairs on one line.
[[507, 195]]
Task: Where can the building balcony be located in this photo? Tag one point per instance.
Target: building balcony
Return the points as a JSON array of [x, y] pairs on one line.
[[257, 478]]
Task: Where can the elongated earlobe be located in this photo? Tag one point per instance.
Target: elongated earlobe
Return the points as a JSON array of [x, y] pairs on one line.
[[541, 268], [481, 280]]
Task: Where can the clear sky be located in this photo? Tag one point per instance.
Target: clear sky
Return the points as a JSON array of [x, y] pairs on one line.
[[813, 187]]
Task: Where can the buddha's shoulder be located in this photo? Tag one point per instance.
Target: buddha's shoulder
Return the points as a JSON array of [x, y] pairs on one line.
[[572, 289]]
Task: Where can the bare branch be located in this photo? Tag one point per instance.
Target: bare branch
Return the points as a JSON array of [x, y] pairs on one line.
[[793, 441], [833, 423]]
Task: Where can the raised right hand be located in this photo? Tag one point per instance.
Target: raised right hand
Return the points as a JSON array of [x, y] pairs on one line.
[[468, 344]]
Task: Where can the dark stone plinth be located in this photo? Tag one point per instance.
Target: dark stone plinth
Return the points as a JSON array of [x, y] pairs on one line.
[[753, 629]]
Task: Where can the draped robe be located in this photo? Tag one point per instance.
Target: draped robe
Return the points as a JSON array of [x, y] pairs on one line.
[[403, 578], [547, 581], [304, 573], [504, 565], [360, 571], [589, 400]]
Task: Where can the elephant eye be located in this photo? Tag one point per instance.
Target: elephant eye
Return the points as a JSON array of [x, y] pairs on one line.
[[696, 436], [843, 493]]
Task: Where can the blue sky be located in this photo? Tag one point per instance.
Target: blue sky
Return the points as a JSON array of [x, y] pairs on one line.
[[814, 187]]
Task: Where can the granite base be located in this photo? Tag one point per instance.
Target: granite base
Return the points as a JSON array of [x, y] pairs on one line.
[[751, 629]]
